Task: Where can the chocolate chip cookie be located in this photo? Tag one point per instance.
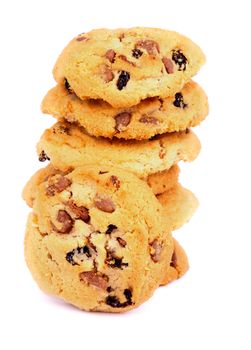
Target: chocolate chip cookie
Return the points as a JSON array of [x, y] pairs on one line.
[[68, 145], [125, 66], [150, 117], [92, 243]]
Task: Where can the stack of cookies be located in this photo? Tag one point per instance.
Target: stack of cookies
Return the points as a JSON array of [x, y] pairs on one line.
[[103, 210]]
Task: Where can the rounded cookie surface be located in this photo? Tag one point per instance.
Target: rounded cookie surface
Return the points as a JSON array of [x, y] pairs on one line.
[[150, 117], [124, 66], [179, 206], [179, 264], [92, 243], [68, 145]]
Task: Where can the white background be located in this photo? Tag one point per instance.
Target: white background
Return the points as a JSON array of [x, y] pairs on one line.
[[210, 307]]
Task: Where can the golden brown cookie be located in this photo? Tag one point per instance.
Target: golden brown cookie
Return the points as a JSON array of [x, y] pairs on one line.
[[179, 206], [93, 244], [67, 145], [125, 66], [159, 182], [150, 117], [178, 266]]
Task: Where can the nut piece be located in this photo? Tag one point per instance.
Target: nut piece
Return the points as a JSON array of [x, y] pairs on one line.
[[80, 212], [110, 55], [168, 65], [124, 58], [122, 120], [107, 74], [156, 249], [66, 220], [60, 185], [96, 279], [104, 203], [152, 47], [146, 119]]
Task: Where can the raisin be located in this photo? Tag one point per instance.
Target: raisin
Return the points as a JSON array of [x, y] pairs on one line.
[[137, 53], [114, 301], [128, 295], [179, 101], [109, 289], [110, 228], [174, 260], [43, 156], [121, 241], [114, 261], [179, 59], [78, 251], [123, 79]]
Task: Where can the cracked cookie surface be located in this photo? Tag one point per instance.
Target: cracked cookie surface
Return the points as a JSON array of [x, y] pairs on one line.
[[68, 145], [150, 117], [93, 243], [125, 66]]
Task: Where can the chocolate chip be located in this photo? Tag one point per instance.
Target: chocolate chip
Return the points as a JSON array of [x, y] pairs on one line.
[[121, 241], [168, 65], [43, 156], [146, 119], [110, 55], [78, 254], [65, 219], [122, 120], [179, 101], [105, 204], [179, 59], [174, 260], [109, 289], [115, 181], [156, 250], [152, 47], [67, 86], [107, 74], [124, 58], [123, 79], [113, 261], [137, 53], [80, 212], [110, 228], [60, 185], [96, 279]]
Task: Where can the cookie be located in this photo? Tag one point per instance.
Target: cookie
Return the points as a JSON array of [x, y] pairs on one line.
[[125, 66], [179, 206], [150, 117], [178, 266], [159, 182], [93, 244], [68, 145], [164, 180]]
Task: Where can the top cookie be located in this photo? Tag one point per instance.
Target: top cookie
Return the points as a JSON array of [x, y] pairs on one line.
[[124, 66]]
